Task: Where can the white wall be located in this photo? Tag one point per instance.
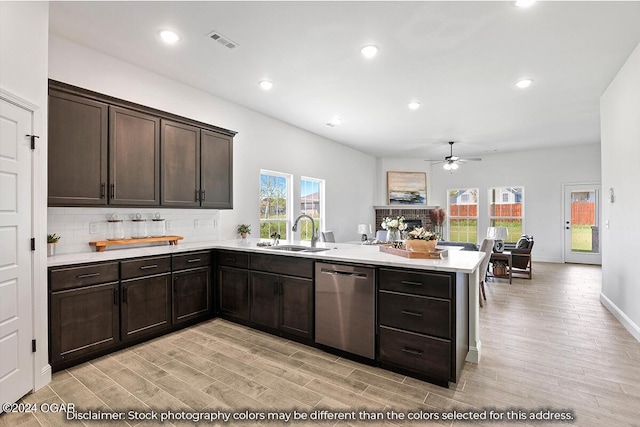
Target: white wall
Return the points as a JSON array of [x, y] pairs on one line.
[[541, 172], [620, 125], [261, 143], [24, 28]]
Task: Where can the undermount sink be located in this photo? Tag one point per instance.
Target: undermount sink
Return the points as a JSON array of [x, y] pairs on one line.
[[296, 248]]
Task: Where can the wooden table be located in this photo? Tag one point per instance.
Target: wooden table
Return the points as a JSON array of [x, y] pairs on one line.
[[503, 256]]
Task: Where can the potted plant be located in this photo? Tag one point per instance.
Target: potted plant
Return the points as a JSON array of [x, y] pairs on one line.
[[52, 239], [243, 230], [422, 240]]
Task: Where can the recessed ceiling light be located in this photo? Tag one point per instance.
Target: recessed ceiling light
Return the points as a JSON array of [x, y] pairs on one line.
[[414, 105], [525, 3], [169, 37], [524, 83], [369, 51], [266, 84], [335, 122]]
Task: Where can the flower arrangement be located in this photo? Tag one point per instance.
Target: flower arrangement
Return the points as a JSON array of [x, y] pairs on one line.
[[420, 233], [394, 224]]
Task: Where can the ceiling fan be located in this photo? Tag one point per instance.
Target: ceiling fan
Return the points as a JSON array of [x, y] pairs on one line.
[[451, 161]]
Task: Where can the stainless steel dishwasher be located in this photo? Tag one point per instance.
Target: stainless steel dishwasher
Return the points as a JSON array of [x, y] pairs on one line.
[[345, 308]]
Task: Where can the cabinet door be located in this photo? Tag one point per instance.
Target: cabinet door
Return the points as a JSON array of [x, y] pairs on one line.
[[134, 158], [265, 299], [296, 308], [233, 285], [77, 150], [83, 321], [216, 170], [146, 305], [192, 294], [180, 164]]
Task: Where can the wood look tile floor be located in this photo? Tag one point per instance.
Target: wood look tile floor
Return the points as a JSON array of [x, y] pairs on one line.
[[547, 344]]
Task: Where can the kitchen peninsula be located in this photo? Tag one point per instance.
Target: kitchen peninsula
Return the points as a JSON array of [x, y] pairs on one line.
[[438, 298]]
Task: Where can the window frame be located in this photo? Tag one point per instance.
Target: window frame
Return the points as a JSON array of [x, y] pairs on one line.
[[288, 220], [512, 237], [320, 221], [453, 218]]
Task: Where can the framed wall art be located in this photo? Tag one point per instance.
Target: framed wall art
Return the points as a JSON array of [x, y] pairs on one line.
[[407, 188]]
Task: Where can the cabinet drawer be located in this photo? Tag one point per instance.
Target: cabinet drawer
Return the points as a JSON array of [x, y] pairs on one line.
[[145, 267], [427, 284], [286, 265], [191, 260], [233, 259], [425, 315], [419, 353], [73, 277]]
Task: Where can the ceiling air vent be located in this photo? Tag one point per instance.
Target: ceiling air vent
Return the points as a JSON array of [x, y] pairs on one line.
[[223, 40]]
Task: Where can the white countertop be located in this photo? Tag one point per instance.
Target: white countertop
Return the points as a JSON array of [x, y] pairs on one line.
[[457, 261]]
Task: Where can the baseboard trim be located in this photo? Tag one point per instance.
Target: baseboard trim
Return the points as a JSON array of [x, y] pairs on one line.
[[43, 379], [628, 324]]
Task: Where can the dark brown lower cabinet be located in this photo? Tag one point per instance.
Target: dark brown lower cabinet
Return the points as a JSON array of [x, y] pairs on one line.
[[423, 323], [145, 306], [283, 303], [83, 321], [192, 297], [233, 289]]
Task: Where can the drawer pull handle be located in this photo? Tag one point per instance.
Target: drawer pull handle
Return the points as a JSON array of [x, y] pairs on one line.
[[411, 313], [406, 282], [412, 351], [194, 260], [84, 276], [147, 267]]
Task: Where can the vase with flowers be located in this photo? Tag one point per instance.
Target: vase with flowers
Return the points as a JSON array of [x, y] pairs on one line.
[[422, 240], [393, 227], [437, 217]]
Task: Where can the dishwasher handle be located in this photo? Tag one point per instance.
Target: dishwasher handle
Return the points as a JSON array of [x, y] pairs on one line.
[[342, 273]]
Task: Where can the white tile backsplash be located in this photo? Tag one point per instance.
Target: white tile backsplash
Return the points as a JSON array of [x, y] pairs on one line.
[[74, 225]]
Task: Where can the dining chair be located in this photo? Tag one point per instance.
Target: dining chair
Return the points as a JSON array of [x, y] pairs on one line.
[[487, 247], [327, 236]]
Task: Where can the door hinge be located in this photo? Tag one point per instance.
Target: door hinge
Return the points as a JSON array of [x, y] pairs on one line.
[[33, 346], [33, 243], [33, 141]]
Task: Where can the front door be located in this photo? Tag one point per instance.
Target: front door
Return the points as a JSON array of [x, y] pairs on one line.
[[582, 224], [16, 360]]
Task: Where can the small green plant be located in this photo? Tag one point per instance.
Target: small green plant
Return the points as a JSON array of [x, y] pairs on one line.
[[53, 238], [244, 229]]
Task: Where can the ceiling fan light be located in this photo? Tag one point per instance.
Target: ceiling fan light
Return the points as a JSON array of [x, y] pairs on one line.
[[447, 166], [525, 83], [369, 51], [414, 105], [454, 166], [266, 84]]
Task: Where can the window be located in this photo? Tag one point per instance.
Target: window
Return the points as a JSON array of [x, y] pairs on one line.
[[463, 215], [275, 204], [506, 209], [312, 204]]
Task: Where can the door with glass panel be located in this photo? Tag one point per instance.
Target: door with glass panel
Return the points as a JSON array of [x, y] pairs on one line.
[[582, 224]]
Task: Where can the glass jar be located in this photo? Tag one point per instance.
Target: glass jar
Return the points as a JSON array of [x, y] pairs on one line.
[[115, 228], [158, 228], [139, 228]]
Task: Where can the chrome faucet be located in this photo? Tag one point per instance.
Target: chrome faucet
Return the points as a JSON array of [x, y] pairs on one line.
[[314, 236]]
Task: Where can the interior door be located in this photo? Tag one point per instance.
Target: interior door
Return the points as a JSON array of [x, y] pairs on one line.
[[582, 224], [16, 360]]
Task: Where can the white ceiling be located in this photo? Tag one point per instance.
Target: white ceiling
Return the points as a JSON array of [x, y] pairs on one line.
[[459, 59]]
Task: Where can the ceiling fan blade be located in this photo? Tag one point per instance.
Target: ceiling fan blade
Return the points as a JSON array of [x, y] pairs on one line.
[[434, 162], [470, 159]]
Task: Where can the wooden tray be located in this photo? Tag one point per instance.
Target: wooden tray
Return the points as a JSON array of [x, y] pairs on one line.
[[437, 254], [101, 245]]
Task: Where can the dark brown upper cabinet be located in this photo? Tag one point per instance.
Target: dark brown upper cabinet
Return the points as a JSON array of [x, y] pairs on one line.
[[180, 165], [197, 167], [216, 170], [106, 151], [134, 158], [78, 131]]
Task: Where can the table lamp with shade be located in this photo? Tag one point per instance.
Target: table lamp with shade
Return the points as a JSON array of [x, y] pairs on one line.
[[364, 229], [498, 234]]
